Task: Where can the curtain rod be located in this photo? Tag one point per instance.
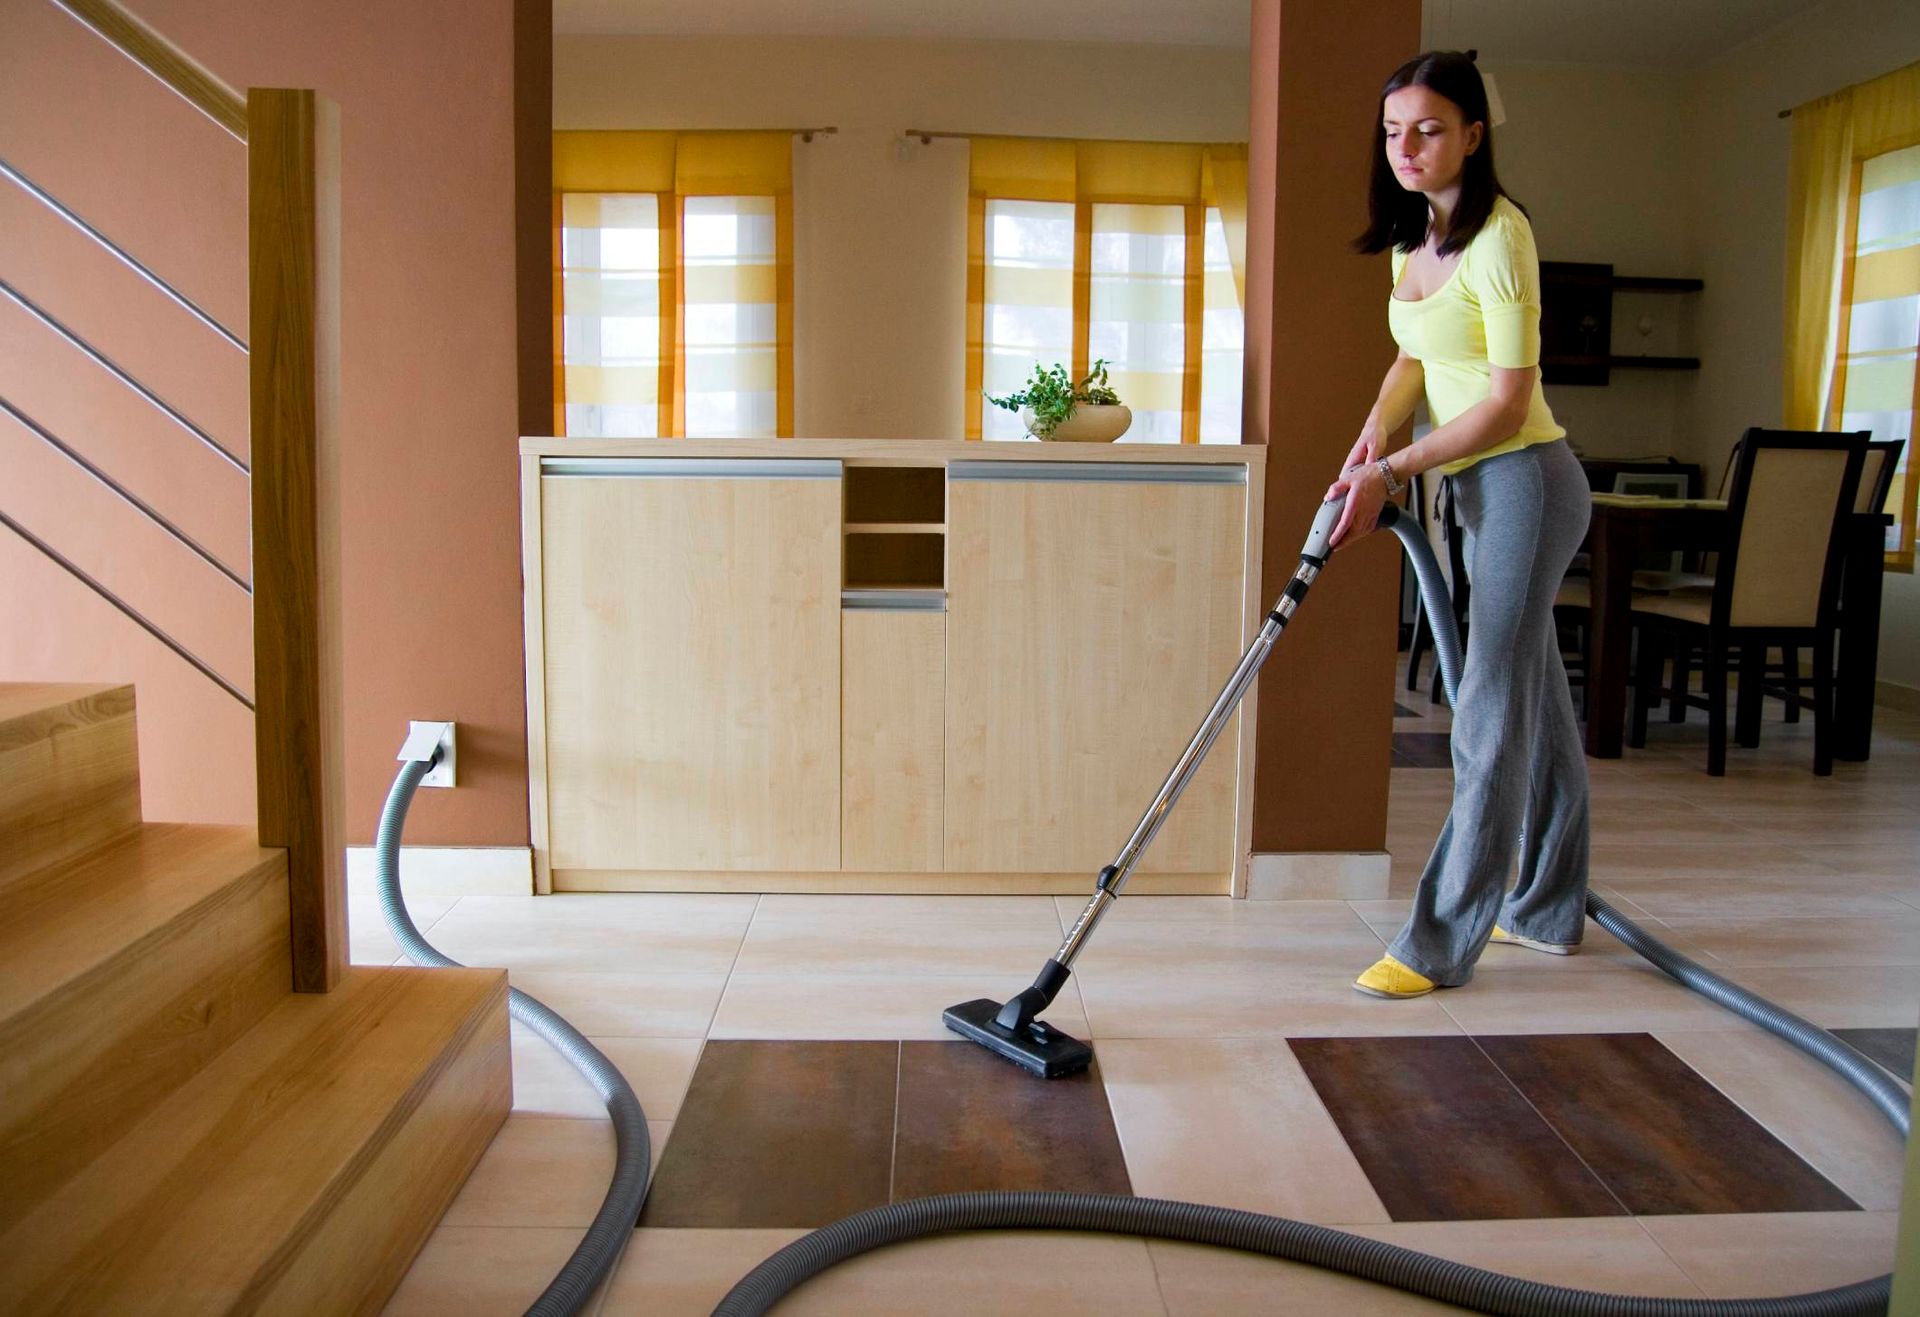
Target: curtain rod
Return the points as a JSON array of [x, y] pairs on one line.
[[805, 134], [927, 135]]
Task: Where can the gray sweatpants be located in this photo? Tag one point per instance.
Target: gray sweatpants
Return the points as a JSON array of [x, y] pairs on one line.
[[1519, 769]]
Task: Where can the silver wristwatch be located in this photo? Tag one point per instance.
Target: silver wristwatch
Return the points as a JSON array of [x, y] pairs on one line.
[[1394, 487]]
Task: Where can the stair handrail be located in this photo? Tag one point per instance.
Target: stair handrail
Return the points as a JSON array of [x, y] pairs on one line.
[[176, 70], [127, 496], [293, 289], [151, 628], [121, 373], [119, 253]]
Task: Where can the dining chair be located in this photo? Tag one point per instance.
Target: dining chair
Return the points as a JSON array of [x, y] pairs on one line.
[[1877, 469], [1777, 585]]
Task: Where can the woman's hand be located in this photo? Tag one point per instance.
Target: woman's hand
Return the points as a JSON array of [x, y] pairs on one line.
[[1366, 492], [1365, 449]]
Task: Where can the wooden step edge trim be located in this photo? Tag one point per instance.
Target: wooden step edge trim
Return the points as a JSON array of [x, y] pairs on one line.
[[93, 705], [451, 1046], [270, 866]]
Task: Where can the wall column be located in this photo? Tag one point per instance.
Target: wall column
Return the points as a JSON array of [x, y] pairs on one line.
[[1317, 346]]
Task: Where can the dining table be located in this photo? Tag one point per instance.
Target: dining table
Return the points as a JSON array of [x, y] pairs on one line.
[[1625, 529]]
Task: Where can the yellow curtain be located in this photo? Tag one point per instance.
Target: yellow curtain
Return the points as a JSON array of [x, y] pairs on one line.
[[1223, 184], [1107, 174], [1839, 141], [1831, 137], [613, 162], [676, 166], [1818, 174]]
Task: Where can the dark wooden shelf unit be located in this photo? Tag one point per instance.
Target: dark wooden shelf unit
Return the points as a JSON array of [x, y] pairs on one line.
[[1654, 363], [1576, 321]]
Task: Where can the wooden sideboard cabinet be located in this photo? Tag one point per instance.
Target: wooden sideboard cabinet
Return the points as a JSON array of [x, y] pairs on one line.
[[880, 666]]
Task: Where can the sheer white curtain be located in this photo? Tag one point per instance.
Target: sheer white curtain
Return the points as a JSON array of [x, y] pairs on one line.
[[1222, 341], [730, 321], [610, 336], [1137, 312], [1883, 323], [1028, 296]]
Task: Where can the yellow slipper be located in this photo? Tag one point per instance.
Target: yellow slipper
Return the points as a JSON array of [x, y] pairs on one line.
[[1389, 978], [1533, 944]]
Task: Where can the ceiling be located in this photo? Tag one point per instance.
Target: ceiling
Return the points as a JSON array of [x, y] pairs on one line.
[[1635, 33]]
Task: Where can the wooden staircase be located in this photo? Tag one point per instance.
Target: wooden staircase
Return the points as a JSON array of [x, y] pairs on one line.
[[180, 1132]]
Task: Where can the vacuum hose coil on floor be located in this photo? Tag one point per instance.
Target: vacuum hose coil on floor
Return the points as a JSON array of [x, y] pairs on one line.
[[567, 1293], [1334, 1250], [1278, 1237]]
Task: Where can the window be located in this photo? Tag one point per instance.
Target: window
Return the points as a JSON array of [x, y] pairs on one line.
[[1852, 305], [673, 284], [729, 326], [1122, 252], [1137, 317], [1873, 378], [1028, 317], [610, 329], [1223, 339]]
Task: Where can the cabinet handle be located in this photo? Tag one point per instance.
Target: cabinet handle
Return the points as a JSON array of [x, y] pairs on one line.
[[895, 601], [1127, 473], [703, 468]]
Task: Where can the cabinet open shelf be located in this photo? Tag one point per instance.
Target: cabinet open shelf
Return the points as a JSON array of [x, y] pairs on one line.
[[895, 522], [895, 560], [896, 495]]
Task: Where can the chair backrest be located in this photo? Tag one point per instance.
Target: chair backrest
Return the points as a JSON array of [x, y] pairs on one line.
[[1664, 484], [1790, 490], [1876, 475]]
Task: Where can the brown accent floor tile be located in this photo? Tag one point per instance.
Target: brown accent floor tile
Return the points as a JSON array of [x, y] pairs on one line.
[[970, 1121], [1443, 1135], [1663, 1139], [779, 1134], [1422, 750], [1891, 1049]]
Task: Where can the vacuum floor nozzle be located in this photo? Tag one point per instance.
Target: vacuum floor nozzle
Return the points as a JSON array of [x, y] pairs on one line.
[[1039, 1048]]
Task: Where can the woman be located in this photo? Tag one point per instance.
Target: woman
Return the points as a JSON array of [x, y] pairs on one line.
[[1465, 312]]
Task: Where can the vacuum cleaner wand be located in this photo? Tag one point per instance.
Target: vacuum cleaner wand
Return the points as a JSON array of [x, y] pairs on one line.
[[1012, 1030]]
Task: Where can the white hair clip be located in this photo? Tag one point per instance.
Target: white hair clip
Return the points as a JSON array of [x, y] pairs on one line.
[[1496, 112]]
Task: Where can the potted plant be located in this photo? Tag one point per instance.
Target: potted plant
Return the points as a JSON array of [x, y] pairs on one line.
[[1052, 407]]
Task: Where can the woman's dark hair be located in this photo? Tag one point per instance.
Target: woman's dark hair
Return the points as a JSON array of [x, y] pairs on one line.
[[1397, 217]]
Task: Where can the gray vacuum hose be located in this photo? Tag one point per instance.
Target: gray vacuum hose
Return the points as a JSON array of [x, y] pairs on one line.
[[567, 1293], [1334, 1250]]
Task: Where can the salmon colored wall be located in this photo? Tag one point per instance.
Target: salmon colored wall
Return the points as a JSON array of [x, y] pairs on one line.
[[429, 403], [1317, 346]]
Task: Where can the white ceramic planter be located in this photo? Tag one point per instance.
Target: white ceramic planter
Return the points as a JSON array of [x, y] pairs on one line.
[[1091, 423]]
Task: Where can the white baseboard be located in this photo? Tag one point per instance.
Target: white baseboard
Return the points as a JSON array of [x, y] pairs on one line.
[[1319, 876], [450, 871], [1895, 696]]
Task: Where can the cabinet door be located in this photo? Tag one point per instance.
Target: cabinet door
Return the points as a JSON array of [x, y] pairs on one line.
[[893, 711], [1093, 612], [692, 619]]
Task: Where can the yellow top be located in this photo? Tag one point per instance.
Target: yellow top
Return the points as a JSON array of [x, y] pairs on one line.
[[1486, 314]]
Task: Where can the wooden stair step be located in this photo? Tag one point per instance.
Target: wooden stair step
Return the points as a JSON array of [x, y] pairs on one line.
[[299, 1172], [122, 972], [69, 771]]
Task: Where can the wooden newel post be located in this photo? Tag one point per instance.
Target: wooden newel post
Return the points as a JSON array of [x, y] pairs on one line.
[[293, 250]]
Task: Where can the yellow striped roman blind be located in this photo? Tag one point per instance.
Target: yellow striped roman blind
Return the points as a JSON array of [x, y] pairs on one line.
[[1134, 269], [723, 290]]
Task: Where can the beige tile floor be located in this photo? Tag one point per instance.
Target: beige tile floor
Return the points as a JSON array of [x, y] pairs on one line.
[[1806, 889]]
